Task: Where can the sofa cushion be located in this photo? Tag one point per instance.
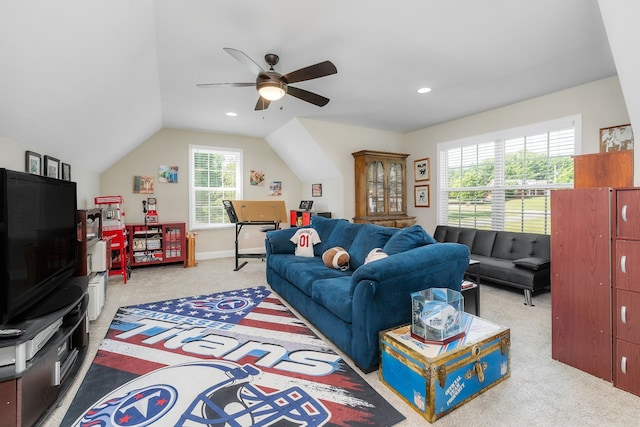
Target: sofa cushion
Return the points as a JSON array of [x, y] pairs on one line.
[[505, 271], [514, 245], [324, 226], [407, 238], [342, 235], [533, 263], [303, 271], [303, 274], [334, 294], [483, 242], [369, 237], [450, 234]]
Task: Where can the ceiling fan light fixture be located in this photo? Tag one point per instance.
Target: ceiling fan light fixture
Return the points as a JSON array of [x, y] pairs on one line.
[[271, 90]]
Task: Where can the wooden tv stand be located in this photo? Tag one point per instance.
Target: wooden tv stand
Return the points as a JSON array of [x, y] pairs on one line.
[[37, 379]]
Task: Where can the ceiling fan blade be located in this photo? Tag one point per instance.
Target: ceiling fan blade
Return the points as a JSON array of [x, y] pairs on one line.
[[321, 69], [245, 59], [262, 104], [305, 95], [205, 85]]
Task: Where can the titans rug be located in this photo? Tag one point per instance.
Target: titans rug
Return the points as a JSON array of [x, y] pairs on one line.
[[238, 358]]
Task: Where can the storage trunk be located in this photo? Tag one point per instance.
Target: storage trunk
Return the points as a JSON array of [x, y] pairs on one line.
[[435, 379]]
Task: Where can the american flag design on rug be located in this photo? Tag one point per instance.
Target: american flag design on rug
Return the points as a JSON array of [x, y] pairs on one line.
[[236, 358]]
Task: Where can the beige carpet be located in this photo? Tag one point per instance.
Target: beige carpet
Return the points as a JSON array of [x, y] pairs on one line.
[[540, 392]]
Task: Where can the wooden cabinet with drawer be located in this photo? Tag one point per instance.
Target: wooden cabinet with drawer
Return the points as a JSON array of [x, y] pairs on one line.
[[626, 291]]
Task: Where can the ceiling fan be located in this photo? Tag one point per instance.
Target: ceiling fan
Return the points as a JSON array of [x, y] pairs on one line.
[[272, 85]]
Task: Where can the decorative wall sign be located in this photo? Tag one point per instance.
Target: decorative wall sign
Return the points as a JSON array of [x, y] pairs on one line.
[[51, 167], [256, 177], [422, 169], [143, 184], [616, 138], [316, 190], [421, 196], [275, 188], [168, 174], [33, 163]]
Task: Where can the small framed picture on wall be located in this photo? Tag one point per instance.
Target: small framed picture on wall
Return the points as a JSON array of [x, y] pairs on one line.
[[616, 138], [33, 163], [316, 190], [66, 172], [421, 196], [422, 169], [51, 167]]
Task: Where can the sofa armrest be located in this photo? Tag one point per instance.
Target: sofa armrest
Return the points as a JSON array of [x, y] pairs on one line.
[[382, 290], [278, 241], [435, 265], [533, 263]]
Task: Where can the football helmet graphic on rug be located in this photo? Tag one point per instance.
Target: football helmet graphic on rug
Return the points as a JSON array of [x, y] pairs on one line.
[[207, 393]]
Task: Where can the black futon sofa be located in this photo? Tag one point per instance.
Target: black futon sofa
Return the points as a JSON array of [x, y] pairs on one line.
[[519, 260]]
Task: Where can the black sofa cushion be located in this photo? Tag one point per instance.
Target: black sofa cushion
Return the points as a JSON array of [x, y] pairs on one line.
[[511, 245], [450, 234], [483, 243]]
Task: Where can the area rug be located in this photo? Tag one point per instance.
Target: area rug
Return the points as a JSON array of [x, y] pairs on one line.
[[236, 358]]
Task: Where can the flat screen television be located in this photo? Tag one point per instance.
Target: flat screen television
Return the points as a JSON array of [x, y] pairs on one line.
[[38, 240]]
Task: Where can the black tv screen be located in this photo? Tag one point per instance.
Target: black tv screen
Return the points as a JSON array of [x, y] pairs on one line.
[[38, 239]]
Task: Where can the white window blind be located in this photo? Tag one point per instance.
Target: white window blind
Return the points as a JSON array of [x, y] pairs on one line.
[[502, 181], [215, 176]]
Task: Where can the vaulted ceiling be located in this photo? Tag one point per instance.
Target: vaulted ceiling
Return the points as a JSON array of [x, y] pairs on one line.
[[89, 81]]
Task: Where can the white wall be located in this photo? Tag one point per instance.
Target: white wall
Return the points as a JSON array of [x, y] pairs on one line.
[[171, 147], [88, 183], [620, 19], [338, 142], [601, 104]]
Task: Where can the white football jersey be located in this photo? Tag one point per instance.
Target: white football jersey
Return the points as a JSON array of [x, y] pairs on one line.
[[305, 238]]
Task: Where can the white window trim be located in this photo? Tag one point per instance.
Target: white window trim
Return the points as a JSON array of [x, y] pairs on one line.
[[240, 188], [574, 121]]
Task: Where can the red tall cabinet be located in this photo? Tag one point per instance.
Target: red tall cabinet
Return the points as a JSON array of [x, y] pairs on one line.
[[595, 274], [581, 279]]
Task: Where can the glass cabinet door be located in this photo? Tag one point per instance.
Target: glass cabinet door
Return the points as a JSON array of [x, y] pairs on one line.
[[396, 187], [375, 187]]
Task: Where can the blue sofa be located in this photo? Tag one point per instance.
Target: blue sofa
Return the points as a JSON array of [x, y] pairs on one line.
[[351, 307]]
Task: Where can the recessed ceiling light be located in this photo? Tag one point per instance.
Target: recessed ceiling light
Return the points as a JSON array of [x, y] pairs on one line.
[[424, 90], [231, 114]]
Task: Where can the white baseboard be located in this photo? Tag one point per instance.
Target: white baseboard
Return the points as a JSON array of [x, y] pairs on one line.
[[200, 256]]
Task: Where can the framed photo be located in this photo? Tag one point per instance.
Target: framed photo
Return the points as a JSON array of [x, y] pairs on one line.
[[421, 196], [143, 184], [51, 167], [66, 171], [168, 174], [316, 190], [33, 163], [616, 138], [422, 169]]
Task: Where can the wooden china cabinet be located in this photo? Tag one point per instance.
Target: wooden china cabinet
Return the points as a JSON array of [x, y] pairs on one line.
[[381, 188]]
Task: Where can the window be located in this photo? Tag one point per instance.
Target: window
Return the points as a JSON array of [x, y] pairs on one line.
[[215, 176], [503, 181]]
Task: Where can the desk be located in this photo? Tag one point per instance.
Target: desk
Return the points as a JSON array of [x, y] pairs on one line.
[[266, 226]]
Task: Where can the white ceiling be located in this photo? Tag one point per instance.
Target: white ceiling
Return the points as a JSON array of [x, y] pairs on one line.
[[89, 81]]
